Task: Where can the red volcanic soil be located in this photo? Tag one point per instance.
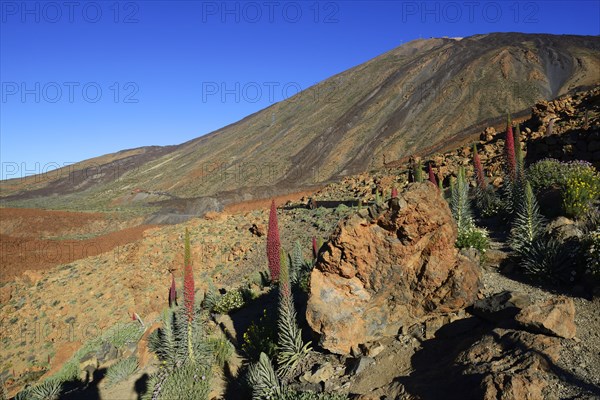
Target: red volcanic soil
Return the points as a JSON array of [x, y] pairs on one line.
[[33, 239]]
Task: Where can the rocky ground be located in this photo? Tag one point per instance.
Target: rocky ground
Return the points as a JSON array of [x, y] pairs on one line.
[[48, 315]]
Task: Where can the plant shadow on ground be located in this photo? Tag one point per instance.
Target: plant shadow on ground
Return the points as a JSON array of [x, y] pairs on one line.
[[499, 231], [141, 385], [584, 290], [242, 319], [437, 374], [252, 313], [84, 390]]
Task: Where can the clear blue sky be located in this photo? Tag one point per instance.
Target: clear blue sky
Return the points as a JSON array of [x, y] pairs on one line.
[[161, 67]]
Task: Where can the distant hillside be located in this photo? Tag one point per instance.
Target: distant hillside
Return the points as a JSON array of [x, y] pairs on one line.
[[416, 98]]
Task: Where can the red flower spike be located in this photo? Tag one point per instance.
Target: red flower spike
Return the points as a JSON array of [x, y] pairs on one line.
[[314, 248], [273, 244], [172, 292], [479, 176], [432, 176], [511, 160], [394, 192], [188, 281]]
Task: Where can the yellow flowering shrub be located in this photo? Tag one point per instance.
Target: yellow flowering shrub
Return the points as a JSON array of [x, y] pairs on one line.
[[260, 337], [580, 191]]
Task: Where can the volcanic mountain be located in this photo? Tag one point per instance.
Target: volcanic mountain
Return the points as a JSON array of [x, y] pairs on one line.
[[415, 99]]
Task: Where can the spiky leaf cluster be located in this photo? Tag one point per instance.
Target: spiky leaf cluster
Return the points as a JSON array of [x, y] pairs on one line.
[[3, 391], [262, 379], [211, 298], [541, 257], [177, 364], [377, 197], [47, 390], [486, 201], [300, 268], [189, 381], [418, 171], [528, 224], [121, 370], [170, 341], [291, 349], [296, 262], [459, 202]]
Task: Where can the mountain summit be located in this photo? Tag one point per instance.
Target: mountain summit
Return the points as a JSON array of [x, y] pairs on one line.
[[416, 98]]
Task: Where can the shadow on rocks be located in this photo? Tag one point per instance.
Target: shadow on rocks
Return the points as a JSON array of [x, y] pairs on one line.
[[436, 375]]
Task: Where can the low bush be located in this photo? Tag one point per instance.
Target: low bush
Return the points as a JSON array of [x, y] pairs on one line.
[[473, 237], [487, 202], [580, 192], [578, 181], [260, 337], [230, 301], [546, 173]]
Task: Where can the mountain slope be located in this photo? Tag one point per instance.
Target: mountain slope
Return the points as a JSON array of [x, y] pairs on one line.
[[412, 99]]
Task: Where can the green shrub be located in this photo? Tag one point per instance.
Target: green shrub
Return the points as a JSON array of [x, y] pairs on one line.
[[580, 192], [545, 174], [473, 237], [342, 210], [260, 337], [487, 202], [230, 301], [578, 181], [121, 370], [122, 334], [304, 281], [221, 348]]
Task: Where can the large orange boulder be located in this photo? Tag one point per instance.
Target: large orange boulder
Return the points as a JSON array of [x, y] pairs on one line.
[[389, 266]]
